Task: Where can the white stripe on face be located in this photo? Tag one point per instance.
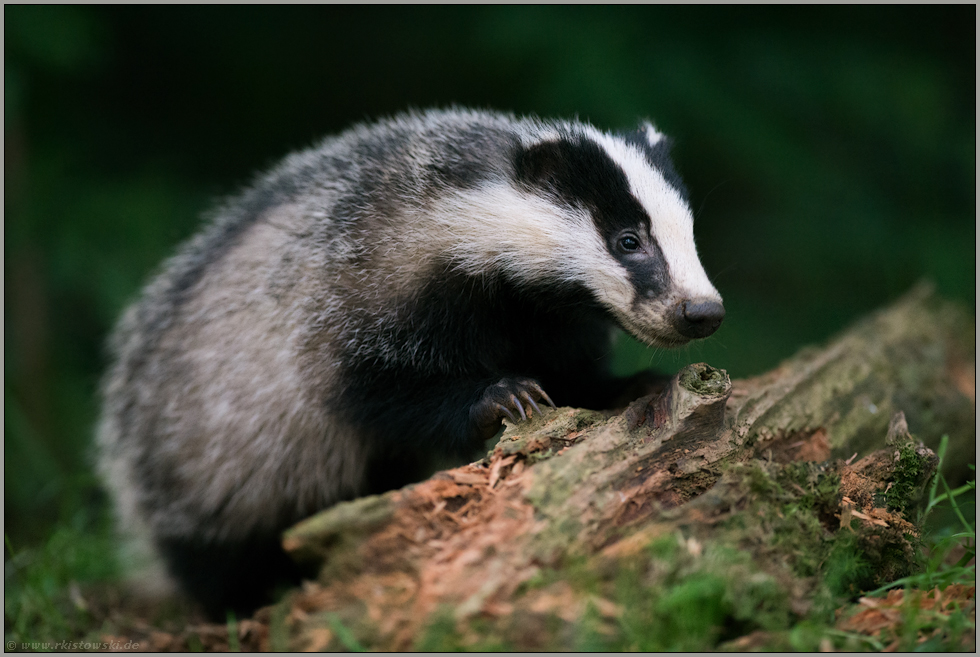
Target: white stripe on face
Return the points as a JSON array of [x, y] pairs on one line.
[[500, 228], [671, 221]]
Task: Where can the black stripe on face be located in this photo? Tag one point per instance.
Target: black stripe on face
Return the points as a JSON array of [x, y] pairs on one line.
[[576, 171], [658, 156]]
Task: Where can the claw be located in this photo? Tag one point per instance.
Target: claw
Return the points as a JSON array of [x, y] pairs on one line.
[[520, 409], [530, 401], [544, 395], [507, 412]]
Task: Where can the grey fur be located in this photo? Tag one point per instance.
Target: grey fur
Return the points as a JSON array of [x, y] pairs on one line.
[[214, 423]]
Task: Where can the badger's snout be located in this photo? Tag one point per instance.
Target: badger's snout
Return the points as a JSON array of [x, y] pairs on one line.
[[697, 318]]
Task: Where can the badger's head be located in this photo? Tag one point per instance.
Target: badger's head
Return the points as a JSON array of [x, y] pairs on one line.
[[631, 239]]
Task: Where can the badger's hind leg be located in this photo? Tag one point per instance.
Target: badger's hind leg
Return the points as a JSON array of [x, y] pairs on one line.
[[238, 576]]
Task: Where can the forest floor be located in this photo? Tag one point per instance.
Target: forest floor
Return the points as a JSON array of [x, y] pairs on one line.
[[53, 603]]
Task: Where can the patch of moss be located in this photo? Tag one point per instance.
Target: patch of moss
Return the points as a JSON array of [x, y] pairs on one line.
[[793, 510], [692, 614], [690, 601], [704, 379], [756, 478], [848, 571], [440, 635], [909, 479], [669, 597], [804, 637], [820, 487], [593, 633], [445, 634], [786, 512], [664, 547], [581, 573], [863, 557], [535, 457]]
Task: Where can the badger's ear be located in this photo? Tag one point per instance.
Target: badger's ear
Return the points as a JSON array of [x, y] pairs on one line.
[[645, 136], [655, 147]]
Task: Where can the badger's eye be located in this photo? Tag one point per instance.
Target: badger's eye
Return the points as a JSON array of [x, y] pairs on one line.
[[629, 243]]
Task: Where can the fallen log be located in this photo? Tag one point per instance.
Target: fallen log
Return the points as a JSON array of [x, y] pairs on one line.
[[697, 516]]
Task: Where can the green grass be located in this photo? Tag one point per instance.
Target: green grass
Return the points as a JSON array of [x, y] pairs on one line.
[[45, 586], [944, 538], [924, 630]]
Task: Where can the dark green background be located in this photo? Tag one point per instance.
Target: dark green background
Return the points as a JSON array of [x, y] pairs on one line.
[[830, 153]]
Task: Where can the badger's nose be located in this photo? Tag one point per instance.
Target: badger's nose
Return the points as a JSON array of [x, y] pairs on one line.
[[698, 319]]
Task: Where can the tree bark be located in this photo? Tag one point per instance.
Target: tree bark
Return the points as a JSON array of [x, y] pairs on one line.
[[552, 530]]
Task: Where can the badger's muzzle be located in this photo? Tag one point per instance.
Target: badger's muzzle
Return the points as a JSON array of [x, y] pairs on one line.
[[697, 318]]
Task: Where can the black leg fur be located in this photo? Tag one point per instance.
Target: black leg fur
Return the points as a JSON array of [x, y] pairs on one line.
[[406, 414], [238, 576], [570, 357]]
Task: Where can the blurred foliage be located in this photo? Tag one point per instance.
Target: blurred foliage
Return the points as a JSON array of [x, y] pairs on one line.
[[830, 152]]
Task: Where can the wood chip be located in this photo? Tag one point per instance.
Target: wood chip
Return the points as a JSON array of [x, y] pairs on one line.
[[469, 478], [496, 467]]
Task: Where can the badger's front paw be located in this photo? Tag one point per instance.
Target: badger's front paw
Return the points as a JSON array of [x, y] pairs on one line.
[[508, 398]]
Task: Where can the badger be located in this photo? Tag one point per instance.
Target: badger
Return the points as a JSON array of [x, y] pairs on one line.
[[389, 295]]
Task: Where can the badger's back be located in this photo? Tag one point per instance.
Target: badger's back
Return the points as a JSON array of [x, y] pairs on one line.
[[214, 424]]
